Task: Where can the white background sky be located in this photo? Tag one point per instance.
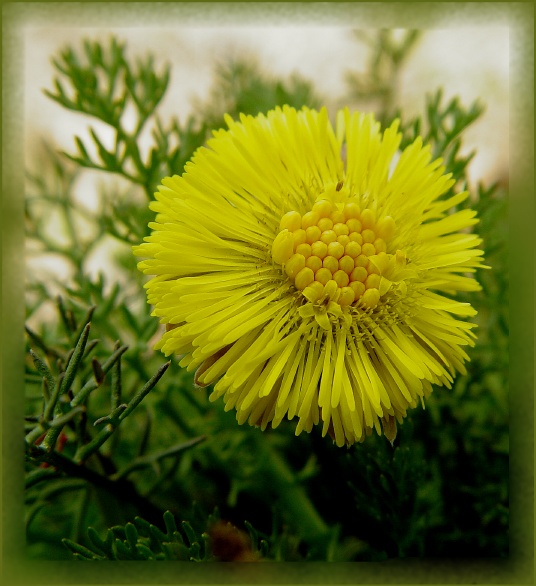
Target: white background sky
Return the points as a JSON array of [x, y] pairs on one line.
[[472, 62]]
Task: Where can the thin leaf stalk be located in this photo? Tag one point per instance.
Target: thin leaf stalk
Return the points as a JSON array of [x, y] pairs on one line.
[[118, 416]]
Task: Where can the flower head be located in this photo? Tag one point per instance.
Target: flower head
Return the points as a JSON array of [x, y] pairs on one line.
[[303, 270]]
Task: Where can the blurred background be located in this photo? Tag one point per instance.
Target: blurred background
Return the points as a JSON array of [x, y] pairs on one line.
[[469, 62]]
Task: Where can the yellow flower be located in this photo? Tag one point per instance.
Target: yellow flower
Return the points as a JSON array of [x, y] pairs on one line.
[[304, 270]]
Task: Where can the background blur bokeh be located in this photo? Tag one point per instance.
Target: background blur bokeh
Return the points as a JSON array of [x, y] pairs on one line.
[[471, 62]]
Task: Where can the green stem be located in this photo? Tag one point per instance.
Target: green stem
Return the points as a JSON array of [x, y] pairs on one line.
[[122, 489], [92, 384], [116, 381], [144, 461], [117, 416], [292, 496]]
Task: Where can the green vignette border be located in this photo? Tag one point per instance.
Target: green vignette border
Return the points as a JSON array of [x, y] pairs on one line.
[[519, 17]]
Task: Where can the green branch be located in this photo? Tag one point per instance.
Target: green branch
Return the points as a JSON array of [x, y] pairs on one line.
[[117, 416]]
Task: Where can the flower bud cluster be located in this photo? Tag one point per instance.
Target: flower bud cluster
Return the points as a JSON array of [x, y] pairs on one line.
[[328, 250]]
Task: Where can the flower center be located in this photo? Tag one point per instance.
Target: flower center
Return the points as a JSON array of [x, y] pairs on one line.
[[328, 250]]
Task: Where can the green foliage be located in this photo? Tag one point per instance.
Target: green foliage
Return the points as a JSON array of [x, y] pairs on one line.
[[102, 85], [142, 541], [388, 53], [112, 442], [241, 88], [442, 128], [60, 442]]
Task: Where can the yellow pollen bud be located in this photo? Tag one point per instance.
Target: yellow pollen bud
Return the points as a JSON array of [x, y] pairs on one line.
[[380, 262], [303, 278], [331, 263], [282, 247], [346, 263], [309, 219], [347, 296], [341, 229], [331, 288], [359, 274], [336, 252], [368, 235], [354, 225], [294, 265], [336, 249], [314, 291], [358, 288], [371, 298], [328, 236], [291, 221], [351, 210], [341, 278], [325, 224], [368, 249], [386, 227], [356, 237], [401, 258], [299, 237], [379, 245], [319, 249], [304, 250], [312, 234], [372, 268], [337, 217], [368, 218], [314, 263], [323, 208], [352, 249], [373, 281], [323, 276]]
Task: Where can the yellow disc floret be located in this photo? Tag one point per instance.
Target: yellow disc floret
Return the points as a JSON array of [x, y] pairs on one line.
[[291, 221], [283, 247], [330, 251]]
